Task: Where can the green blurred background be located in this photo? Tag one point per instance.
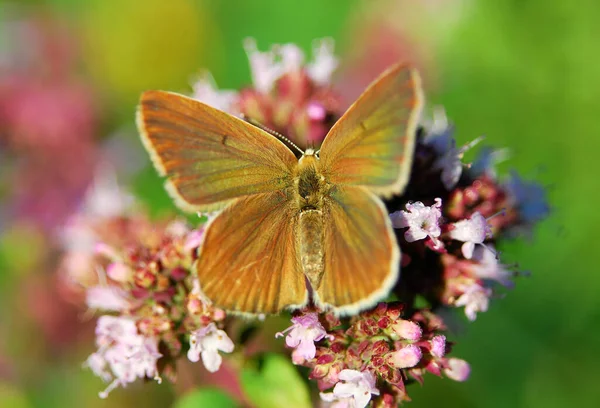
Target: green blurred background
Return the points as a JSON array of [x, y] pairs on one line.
[[523, 73]]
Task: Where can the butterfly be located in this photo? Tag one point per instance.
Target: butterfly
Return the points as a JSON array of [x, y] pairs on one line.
[[290, 231]]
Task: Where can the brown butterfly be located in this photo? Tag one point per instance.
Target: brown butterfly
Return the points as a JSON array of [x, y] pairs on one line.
[[289, 228]]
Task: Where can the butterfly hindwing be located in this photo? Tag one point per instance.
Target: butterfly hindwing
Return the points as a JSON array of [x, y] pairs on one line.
[[361, 255], [249, 259]]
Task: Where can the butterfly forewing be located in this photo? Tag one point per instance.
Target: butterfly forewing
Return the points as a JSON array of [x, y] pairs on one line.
[[373, 143], [209, 156], [249, 261], [361, 255]]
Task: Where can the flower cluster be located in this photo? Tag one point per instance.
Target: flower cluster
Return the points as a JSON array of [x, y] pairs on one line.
[[141, 272], [449, 222], [287, 96], [451, 219], [372, 355]]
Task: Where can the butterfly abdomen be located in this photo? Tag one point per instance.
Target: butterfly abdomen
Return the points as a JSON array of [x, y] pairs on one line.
[[310, 237], [310, 190]]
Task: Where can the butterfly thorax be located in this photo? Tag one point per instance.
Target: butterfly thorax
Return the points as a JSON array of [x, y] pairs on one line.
[[311, 189], [310, 184]]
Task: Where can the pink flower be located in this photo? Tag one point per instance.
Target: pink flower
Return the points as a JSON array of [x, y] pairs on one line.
[[355, 386], [77, 235], [422, 221], [474, 299], [193, 240], [97, 363], [105, 198], [107, 251], [79, 268], [473, 231], [407, 330], [438, 346], [407, 356], [457, 370], [177, 228], [331, 401], [205, 90], [106, 298], [303, 334], [130, 362], [123, 355], [267, 67], [264, 67], [316, 111], [324, 63], [488, 266], [112, 329], [291, 57], [451, 163], [79, 238], [119, 272], [207, 342]]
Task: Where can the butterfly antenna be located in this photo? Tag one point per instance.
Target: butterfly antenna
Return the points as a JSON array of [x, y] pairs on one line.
[[316, 151], [273, 132]]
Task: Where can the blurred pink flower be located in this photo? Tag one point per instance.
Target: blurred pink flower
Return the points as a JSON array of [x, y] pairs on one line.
[[123, 354], [488, 266], [48, 121], [457, 370], [206, 91], [475, 299], [107, 298], [40, 115], [288, 95]]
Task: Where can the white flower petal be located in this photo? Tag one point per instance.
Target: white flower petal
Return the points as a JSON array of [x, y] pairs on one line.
[[212, 360], [467, 249], [325, 62], [207, 342]]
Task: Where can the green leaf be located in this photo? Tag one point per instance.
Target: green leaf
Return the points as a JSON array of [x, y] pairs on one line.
[[277, 384], [205, 397]]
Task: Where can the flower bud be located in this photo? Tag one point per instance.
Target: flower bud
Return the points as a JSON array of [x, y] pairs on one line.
[[407, 356], [119, 272], [438, 346], [144, 278], [407, 330], [457, 369]]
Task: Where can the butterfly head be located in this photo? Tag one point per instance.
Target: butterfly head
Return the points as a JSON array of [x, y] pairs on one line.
[[311, 152]]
